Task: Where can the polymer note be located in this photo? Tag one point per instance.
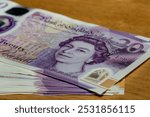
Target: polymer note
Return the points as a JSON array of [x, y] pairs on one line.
[[86, 55]]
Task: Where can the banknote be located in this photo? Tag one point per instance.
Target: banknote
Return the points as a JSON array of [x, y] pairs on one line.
[[12, 77], [86, 55], [32, 86]]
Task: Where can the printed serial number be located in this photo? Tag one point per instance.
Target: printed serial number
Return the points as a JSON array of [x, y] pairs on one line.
[[106, 109]]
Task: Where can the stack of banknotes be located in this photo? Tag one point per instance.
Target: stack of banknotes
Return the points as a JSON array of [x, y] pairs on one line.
[[45, 53]]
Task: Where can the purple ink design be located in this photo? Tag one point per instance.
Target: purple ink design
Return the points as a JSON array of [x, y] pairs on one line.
[[77, 52], [73, 54], [6, 23], [101, 51]]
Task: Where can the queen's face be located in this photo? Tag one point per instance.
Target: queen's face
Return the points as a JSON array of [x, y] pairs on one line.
[[75, 52]]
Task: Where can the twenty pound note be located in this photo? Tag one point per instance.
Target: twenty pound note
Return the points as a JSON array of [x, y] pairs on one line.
[[83, 54]]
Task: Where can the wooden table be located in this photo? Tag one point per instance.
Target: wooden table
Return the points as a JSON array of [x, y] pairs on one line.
[[124, 15]]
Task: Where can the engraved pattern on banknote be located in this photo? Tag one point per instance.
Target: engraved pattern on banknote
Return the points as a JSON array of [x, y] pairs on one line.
[[38, 42]]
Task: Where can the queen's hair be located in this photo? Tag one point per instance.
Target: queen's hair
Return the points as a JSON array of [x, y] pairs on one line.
[[101, 52]]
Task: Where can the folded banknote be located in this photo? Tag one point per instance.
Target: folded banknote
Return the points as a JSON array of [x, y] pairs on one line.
[[83, 54]]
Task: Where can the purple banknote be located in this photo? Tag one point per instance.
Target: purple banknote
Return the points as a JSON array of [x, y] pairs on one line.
[[83, 54], [14, 80]]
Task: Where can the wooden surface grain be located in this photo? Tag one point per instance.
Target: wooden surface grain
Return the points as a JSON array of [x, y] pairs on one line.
[[124, 15]]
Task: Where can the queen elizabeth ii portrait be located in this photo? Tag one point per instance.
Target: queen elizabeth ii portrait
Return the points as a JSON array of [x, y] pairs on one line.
[[73, 55]]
